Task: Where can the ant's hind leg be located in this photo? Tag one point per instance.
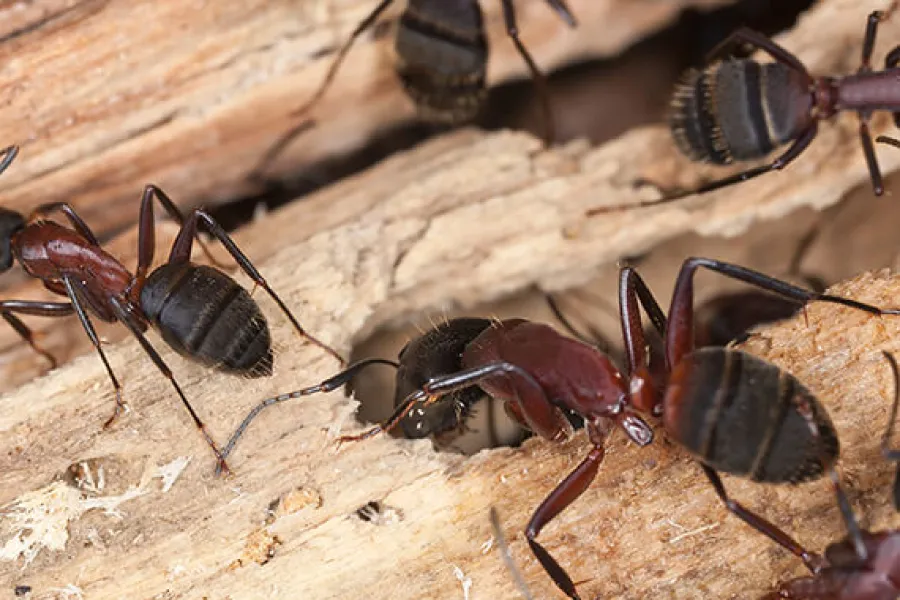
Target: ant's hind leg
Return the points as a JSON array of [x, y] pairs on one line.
[[181, 252]]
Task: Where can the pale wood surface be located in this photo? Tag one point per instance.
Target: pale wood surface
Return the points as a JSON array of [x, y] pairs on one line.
[[107, 95], [648, 527], [463, 219]]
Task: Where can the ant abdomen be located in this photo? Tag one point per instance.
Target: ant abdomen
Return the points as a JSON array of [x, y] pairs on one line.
[[442, 58], [740, 415], [738, 110], [204, 314]]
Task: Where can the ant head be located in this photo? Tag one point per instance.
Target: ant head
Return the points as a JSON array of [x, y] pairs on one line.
[[437, 352], [10, 223]]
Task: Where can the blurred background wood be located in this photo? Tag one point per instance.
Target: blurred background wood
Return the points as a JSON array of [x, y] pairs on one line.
[[107, 95]]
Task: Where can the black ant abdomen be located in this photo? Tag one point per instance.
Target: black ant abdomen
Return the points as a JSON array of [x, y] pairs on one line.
[[738, 110], [442, 59], [735, 412], [204, 315], [437, 352]]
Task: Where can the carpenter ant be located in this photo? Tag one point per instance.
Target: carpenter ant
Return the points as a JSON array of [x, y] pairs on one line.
[[201, 312], [436, 352], [863, 566], [542, 375], [740, 110], [442, 61]]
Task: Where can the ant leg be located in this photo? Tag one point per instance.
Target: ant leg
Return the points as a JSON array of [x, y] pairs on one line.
[[680, 333], [813, 561], [73, 289], [561, 497], [9, 154], [77, 222], [755, 39], [332, 383], [853, 530], [532, 405], [888, 452], [540, 81], [147, 231], [342, 53], [592, 338], [795, 266], [289, 136], [795, 150], [869, 151], [257, 174], [181, 252], [872, 23], [42, 309], [640, 367], [883, 139], [127, 319]]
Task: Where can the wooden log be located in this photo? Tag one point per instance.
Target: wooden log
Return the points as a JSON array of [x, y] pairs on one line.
[[287, 525], [462, 219], [107, 95]]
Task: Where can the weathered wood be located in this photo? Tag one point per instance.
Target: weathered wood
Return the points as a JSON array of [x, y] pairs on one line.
[[649, 526], [107, 95], [504, 190], [463, 219]]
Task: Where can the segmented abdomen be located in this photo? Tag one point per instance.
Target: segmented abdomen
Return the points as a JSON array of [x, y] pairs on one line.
[[205, 315], [739, 414]]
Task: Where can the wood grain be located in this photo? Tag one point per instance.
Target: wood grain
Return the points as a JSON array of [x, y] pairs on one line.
[[463, 219], [285, 525], [107, 95]]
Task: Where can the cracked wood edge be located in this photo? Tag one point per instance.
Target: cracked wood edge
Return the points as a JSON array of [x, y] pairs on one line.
[[107, 95], [285, 524], [487, 204], [461, 218]]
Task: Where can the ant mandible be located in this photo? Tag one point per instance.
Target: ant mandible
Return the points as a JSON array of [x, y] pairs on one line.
[[740, 110], [863, 566], [201, 312], [544, 376]]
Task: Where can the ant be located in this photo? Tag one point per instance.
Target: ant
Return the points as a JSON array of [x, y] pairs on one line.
[[543, 376], [436, 352], [442, 55], [863, 566], [740, 109], [201, 313]]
